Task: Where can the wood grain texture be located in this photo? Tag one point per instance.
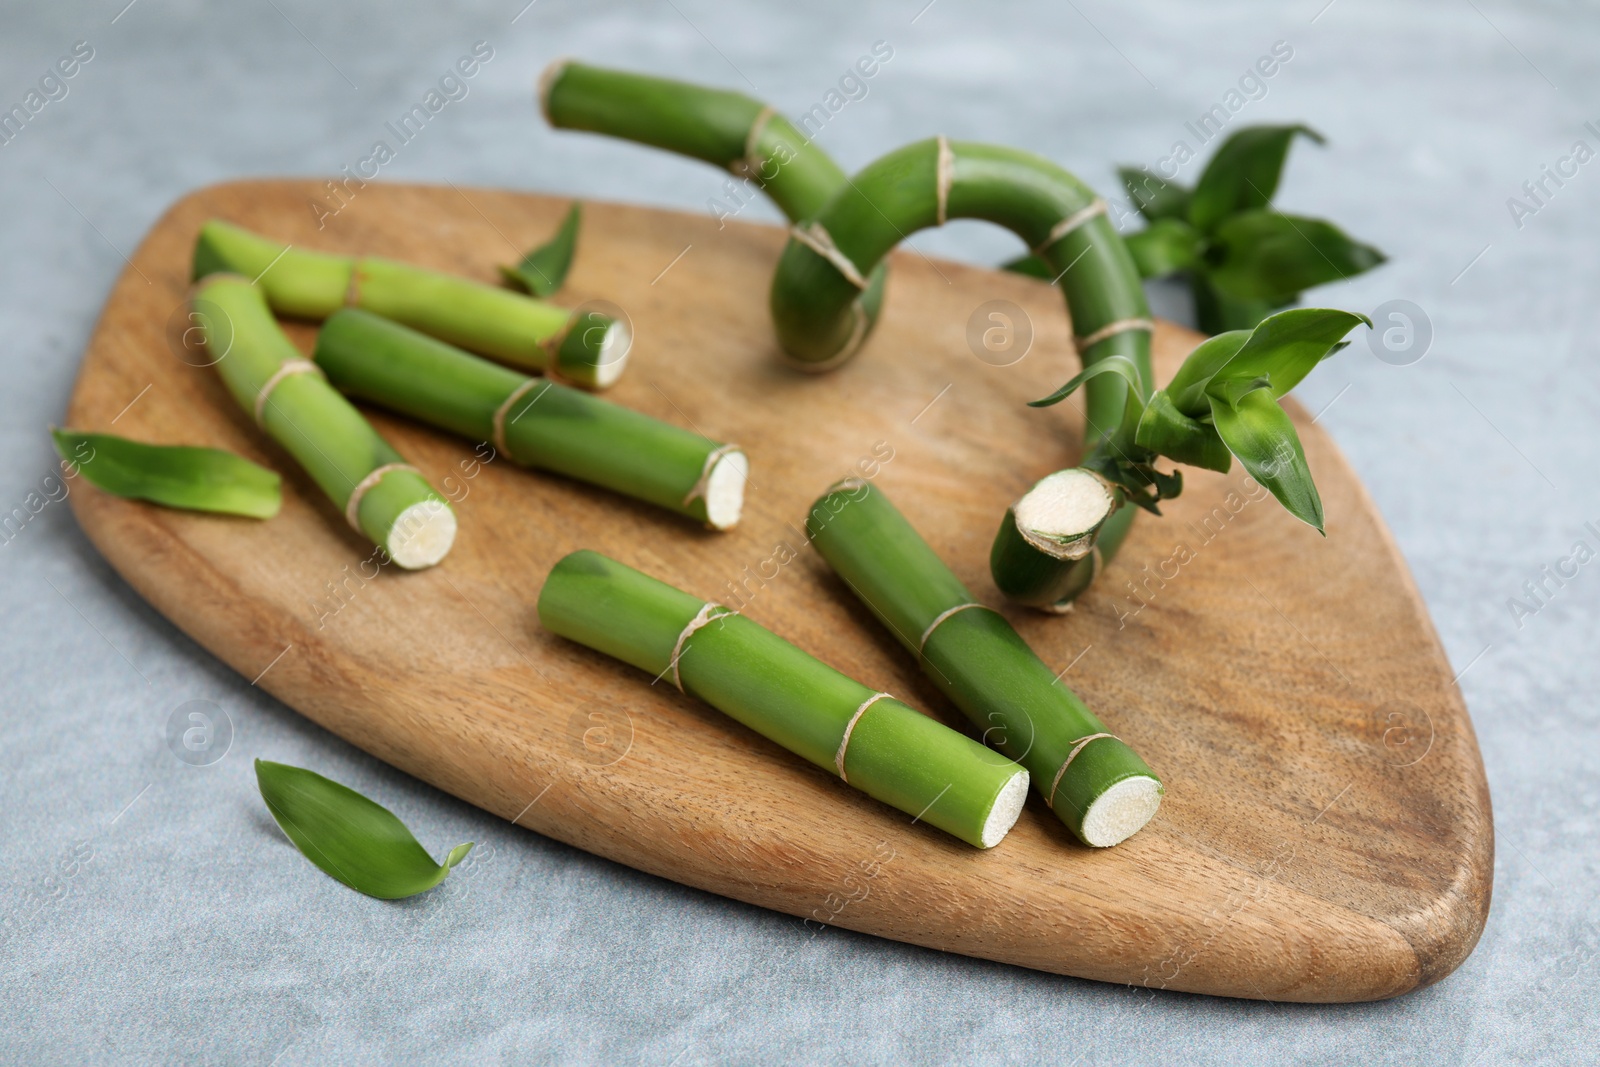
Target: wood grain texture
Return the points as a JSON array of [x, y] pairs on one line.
[[1326, 834]]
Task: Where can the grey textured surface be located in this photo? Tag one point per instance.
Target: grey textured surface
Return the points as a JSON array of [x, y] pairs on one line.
[[150, 911]]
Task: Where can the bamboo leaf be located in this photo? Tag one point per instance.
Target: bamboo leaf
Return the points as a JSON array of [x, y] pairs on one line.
[[1283, 348], [1188, 387], [1031, 265], [1120, 365], [178, 476], [543, 269], [351, 838], [1156, 198], [1262, 255], [1287, 346], [1259, 432], [1166, 431], [1244, 173], [1164, 246]]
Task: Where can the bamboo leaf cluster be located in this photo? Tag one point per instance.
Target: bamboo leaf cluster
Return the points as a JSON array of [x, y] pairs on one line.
[[1242, 258], [1222, 403]]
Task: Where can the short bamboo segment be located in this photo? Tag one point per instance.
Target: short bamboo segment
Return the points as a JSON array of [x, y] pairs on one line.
[[583, 347], [868, 739], [535, 422], [381, 496], [1093, 781]]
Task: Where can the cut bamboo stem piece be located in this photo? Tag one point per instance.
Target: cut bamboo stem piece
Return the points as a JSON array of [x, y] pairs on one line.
[[725, 129], [535, 422], [381, 496], [816, 299], [583, 347], [1094, 782], [1053, 538], [870, 740]]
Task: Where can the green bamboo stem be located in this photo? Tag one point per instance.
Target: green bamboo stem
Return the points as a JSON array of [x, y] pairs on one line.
[[873, 742], [816, 309], [584, 347], [1094, 782], [725, 129], [388, 501], [536, 422]]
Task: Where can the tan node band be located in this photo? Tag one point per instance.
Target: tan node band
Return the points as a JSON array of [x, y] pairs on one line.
[[500, 413], [946, 175], [1072, 222], [850, 728], [287, 369], [352, 507], [939, 620], [815, 237], [1111, 329], [1077, 747], [709, 612]]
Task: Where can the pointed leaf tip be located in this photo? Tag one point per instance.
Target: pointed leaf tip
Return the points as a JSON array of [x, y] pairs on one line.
[[543, 270]]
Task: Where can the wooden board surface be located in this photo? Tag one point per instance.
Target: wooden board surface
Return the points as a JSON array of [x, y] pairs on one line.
[[1326, 834]]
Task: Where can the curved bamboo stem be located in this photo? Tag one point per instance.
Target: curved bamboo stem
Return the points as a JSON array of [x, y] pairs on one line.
[[726, 129]]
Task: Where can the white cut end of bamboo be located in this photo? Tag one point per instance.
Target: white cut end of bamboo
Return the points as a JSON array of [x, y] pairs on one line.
[[1121, 811], [1007, 809], [422, 535], [724, 493], [1063, 510], [613, 356]]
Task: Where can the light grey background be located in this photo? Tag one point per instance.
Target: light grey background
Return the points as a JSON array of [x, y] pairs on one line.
[[151, 913]]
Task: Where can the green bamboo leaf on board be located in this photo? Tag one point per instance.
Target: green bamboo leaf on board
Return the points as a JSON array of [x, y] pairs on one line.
[[544, 269], [1259, 432], [177, 476], [1165, 246], [352, 839], [1155, 198], [1119, 365], [1243, 173], [1263, 255]]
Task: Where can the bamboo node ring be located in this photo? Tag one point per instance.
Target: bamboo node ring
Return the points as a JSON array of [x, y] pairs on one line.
[[709, 612], [352, 507], [816, 237], [939, 620], [1077, 747], [287, 369], [1111, 329], [500, 413], [844, 742]]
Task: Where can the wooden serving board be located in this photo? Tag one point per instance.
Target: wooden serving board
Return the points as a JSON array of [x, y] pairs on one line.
[[1326, 834]]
